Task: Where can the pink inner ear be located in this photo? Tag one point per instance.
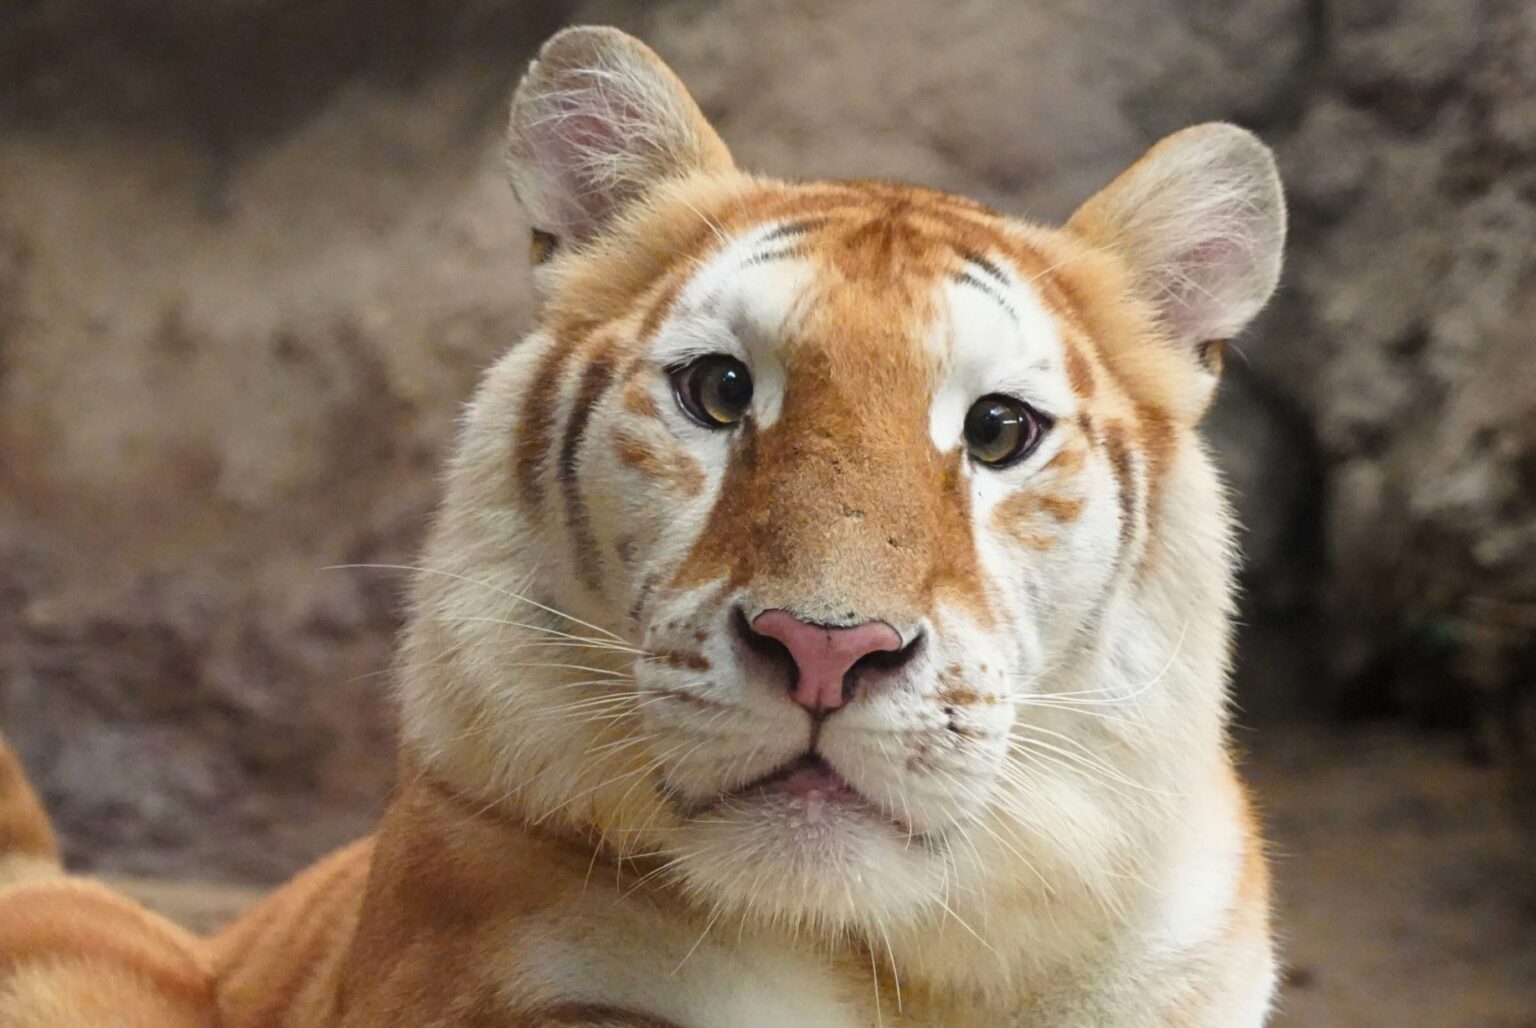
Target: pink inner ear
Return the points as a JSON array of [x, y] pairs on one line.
[[1198, 295], [567, 147], [586, 158]]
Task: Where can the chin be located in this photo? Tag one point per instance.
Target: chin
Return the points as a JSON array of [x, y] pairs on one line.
[[795, 852]]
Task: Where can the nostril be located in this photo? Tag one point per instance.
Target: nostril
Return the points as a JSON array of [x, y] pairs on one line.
[[886, 661], [765, 646], [880, 663]]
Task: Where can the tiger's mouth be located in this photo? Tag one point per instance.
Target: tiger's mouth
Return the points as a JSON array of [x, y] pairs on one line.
[[809, 778], [809, 787]]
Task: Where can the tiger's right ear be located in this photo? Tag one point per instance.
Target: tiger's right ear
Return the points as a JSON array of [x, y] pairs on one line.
[[597, 121]]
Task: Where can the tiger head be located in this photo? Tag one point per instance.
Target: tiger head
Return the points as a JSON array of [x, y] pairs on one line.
[[846, 549]]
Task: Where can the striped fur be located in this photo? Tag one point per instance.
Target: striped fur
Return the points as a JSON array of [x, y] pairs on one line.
[[74, 953], [1046, 828]]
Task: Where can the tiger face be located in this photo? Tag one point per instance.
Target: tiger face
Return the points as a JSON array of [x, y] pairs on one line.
[[844, 552]]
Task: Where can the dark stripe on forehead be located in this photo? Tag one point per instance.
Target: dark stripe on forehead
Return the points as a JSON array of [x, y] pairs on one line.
[[986, 266], [793, 228], [772, 255], [792, 231], [594, 382], [965, 278]]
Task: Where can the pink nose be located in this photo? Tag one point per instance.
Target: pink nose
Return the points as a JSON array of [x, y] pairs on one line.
[[823, 655]]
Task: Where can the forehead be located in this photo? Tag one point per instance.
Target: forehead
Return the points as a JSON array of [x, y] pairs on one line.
[[899, 241], [873, 271]]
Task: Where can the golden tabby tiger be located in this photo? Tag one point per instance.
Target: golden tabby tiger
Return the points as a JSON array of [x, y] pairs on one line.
[[827, 624]]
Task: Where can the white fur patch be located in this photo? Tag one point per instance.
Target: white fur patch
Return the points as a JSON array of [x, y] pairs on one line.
[[987, 347], [747, 310]]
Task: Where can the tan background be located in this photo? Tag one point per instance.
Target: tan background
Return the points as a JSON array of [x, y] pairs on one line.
[[253, 254]]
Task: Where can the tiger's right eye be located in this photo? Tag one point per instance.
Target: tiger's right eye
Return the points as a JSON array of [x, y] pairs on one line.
[[714, 390]]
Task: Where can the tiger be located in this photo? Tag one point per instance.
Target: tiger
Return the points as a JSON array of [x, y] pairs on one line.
[[827, 623]]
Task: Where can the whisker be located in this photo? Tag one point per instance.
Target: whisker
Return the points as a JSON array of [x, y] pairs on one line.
[[1087, 756], [890, 956], [571, 667], [416, 569], [600, 644]]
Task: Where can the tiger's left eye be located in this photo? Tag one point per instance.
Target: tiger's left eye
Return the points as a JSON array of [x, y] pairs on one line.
[[1000, 430], [714, 390]]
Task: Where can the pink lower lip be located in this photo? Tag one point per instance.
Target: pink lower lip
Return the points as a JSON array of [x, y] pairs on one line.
[[813, 788], [814, 781]]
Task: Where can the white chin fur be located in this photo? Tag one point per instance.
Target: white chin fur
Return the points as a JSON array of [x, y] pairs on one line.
[[774, 861]]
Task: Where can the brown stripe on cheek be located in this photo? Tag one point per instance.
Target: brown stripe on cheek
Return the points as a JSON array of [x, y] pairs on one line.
[[676, 469], [594, 382], [1160, 441], [1019, 517], [1156, 434], [1063, 508], [662, 306], [1090, 429], [537, 425], [1068, 460], [1079, 373], [1123, 464], [638, 400]]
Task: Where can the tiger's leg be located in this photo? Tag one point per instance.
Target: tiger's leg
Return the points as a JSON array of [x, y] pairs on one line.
[[75, 954]]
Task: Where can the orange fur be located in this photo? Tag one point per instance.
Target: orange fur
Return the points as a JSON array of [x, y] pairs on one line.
[[27, 844]]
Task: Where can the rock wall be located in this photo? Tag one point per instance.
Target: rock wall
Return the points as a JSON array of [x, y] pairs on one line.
[[253, 254]]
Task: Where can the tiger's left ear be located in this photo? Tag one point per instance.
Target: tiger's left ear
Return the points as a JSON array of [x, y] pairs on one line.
[[597, 121], [1200, 221]]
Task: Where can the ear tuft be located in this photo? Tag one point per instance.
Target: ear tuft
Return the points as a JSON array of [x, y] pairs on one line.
[[597, 121], [1201, 222]]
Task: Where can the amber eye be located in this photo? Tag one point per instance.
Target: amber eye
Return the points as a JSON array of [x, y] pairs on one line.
[[1000, 430], [715, 390]]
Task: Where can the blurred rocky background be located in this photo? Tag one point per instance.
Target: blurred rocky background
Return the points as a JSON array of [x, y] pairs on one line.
[[254, 253]]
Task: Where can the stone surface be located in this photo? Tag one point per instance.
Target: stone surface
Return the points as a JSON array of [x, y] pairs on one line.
[[253, 254], [1405, 895]]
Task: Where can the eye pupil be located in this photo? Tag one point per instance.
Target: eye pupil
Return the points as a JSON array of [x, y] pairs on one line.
[[989, 424], [733, 390], [1000, 430], [715, 391]]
